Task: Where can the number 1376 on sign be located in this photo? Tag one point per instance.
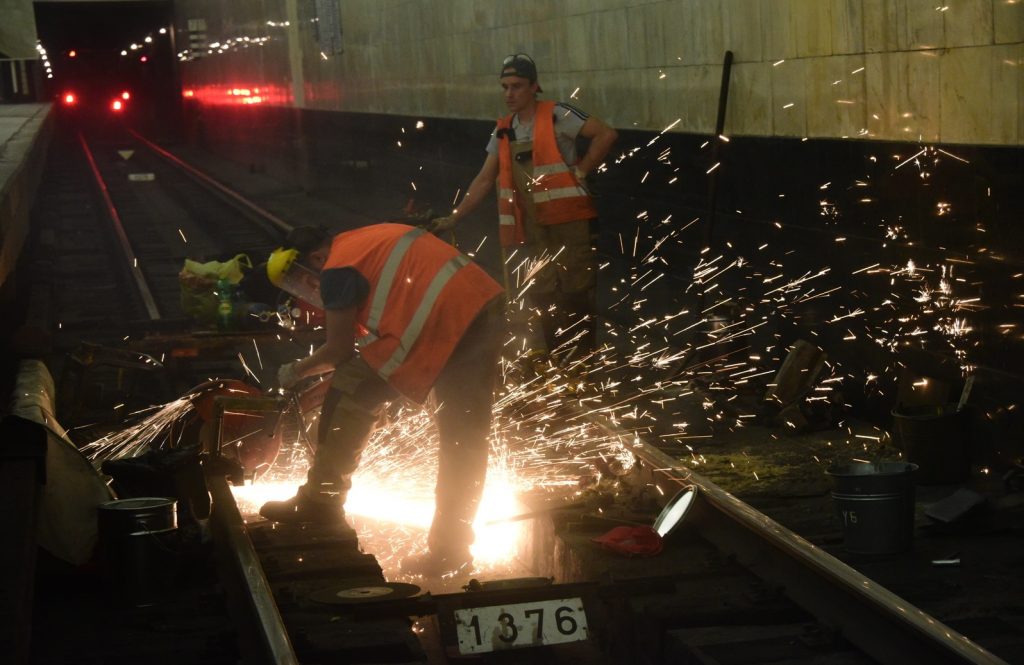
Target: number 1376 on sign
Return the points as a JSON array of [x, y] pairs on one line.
[[482, 629]]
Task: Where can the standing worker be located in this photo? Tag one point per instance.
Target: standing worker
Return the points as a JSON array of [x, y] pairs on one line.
[[542, 199], [425, 317]]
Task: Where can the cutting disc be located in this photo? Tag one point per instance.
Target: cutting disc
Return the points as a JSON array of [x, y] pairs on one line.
[[364, 594]]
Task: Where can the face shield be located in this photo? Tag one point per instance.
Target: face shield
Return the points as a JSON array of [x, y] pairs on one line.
[[288, 274]]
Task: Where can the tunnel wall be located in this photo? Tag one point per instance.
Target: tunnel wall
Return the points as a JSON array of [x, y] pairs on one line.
[[874, 69], [920, 245]]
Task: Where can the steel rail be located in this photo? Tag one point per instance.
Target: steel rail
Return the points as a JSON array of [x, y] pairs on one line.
[[875, 620], [254, 596], [232, 195], [126, 248]]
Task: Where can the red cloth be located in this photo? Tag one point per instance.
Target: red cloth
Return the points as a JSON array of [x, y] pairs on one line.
[[631, 541]]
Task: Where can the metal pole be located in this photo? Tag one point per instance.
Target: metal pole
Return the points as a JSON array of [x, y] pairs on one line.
[[716, 142]]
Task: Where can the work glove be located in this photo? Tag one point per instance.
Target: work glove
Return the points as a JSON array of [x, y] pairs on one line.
[[440, 225], [287, 376]]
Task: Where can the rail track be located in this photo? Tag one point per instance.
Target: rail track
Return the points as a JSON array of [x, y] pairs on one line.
[[731, 586]]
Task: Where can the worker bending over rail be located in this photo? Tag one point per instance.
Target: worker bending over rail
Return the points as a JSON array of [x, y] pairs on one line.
[[424, 317]]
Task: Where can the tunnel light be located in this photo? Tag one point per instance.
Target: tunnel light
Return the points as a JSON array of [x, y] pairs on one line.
[[72, 53], [163, 31], [124, 52]]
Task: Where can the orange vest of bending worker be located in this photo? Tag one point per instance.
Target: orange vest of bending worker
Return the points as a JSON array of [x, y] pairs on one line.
[[556, 192], [424, 295]]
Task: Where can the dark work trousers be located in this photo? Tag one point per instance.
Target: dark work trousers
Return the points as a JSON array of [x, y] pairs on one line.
[[464, 392], [563, 290]]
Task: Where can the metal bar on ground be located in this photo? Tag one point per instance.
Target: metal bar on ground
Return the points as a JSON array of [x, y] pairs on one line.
[[874, 619], [230, 193], [126, 247], [255, 595]]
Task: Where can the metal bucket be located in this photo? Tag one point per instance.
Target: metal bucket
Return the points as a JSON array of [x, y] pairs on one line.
[[138, 547], [875, 504], [936, 438]]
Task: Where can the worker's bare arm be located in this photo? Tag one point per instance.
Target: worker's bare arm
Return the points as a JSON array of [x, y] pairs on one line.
[[602, 138], [482, 184], [339, 347]]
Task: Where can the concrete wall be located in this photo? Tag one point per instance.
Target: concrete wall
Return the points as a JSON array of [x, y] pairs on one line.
[[17, 29], [25, 131], [900, 70]]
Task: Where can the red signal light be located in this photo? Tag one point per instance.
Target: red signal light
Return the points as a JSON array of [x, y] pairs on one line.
[[117, 105], [70, 99], [126, 95], [143, 59], [72, 53]]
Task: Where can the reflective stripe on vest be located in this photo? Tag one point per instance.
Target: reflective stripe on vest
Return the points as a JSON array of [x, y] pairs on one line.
[[415, 326], [553, 194], [387, 277], [556, 192]]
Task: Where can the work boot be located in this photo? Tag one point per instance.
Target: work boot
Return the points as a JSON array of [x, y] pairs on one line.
[[437, 564], [299, 509]]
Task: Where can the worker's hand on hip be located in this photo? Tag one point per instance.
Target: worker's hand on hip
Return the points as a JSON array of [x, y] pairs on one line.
[[442, 224], [287, 376], [581, 178]]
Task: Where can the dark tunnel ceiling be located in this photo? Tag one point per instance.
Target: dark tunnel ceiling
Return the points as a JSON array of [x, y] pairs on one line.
[[98, 25]]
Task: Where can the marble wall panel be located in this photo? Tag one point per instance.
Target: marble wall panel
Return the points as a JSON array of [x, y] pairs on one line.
[[881, 27], [576, 36], [612, 95], [971, 80], [749, 109], [1007, 89], [648, 62], [705, 41], [742, 30], [967, 22], [1017, 62], [811, 27], [609, 40], [658, 86], [789, 103], [836, 96], [695, 100], [847, 26], [965, 87], [646, 28], [1008, 21], [902, 95], [777, 27], [921, 24]]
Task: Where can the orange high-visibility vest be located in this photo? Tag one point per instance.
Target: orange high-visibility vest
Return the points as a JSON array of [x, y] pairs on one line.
[[556, 192], [424, 294]]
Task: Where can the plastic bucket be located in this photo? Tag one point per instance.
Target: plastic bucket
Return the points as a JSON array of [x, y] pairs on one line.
[[138, 546], [936, 439], [875, 504]]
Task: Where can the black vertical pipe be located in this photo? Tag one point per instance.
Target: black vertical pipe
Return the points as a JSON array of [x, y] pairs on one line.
[[716, 142]]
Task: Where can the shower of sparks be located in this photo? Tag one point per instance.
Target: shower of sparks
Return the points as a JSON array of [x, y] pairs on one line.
[[690, 345]]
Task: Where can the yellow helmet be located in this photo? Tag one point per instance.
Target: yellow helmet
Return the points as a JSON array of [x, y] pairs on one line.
[[279, 263]]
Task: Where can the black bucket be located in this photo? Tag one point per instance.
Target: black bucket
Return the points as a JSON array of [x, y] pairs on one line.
[[138, 540], [875, 504], [936, 439]]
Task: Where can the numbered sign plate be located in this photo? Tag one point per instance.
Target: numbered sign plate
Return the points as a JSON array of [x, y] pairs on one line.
[[482, 629]]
